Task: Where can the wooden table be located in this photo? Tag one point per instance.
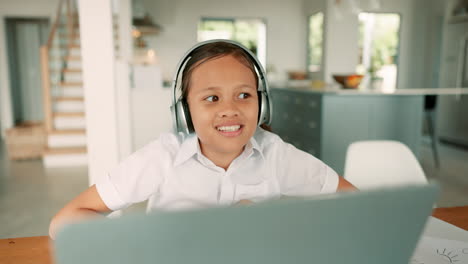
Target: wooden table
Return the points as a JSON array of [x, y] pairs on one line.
[[38, 250], [457, 216]]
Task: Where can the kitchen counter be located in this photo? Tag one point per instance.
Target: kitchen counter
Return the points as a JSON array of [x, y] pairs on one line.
[[340, 91], [324, 122]]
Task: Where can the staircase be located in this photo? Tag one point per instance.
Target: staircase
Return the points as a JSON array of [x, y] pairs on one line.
[[63, 91]]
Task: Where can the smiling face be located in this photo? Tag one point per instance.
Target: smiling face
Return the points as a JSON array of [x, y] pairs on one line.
[[223, 104]]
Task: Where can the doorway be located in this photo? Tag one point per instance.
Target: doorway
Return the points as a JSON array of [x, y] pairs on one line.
[[250, 32], [24, 38], [379, 41]]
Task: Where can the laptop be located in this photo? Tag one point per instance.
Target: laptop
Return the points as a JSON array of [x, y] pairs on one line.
[[380, 226]]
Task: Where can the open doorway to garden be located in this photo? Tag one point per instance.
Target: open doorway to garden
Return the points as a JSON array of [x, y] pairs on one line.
[[379, 41], [250, 32]]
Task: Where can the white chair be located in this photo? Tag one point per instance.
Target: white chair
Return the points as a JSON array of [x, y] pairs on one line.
[[373, 164]]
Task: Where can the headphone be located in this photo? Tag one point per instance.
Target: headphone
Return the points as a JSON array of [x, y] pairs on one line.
[[181, 119]]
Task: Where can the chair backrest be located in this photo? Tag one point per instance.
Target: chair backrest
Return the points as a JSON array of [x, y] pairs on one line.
[[371, 164]]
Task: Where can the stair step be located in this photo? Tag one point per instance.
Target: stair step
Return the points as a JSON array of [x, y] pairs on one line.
[[66, 36], [76, 25], [65, 157], [67, 131], [71, 46], [65, 160], [68, 114], [66, 140], [67, 150], [71, 91], [71, 84], [67, 70], [66, 58], [73, 58], [69, 120], [68, 99], [68, 104], [73, 70]]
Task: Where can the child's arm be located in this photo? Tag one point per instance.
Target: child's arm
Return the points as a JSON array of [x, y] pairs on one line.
[[86, 205], [344, 185]]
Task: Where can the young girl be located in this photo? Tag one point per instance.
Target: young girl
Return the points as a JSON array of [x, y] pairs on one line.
[[228, 159]]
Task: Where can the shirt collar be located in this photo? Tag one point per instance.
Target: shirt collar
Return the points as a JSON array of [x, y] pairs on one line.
[[253, 146], [190, 147]]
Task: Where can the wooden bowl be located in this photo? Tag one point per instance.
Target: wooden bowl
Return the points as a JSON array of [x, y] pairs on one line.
[[297, 75], [348, 81]]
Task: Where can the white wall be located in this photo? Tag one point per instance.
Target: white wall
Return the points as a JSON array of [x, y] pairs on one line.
[[16, 8], [122, 73], [426, 25], [310, 8], [101, 109], [341, 40], [150, 111], [286, 28]]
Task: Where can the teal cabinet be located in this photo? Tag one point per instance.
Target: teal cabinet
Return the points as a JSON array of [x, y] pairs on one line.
[[324, 124]]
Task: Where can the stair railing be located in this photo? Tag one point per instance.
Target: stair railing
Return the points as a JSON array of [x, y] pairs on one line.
[[52, 70]]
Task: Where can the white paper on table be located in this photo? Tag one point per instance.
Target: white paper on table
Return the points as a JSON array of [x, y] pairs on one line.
[[432, 250], [438, 228], [425, 256]]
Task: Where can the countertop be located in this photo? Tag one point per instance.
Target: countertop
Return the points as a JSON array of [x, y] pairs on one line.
[[409, 91]]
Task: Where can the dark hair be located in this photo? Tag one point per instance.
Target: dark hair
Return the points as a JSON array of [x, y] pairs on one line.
[[212, 51]]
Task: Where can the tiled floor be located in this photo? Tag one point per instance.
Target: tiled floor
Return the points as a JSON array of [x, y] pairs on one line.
[[30, 194], [452, 174]]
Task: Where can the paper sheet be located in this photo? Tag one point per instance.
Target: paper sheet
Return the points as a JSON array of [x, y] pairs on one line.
[[432, 250], [438, 228]]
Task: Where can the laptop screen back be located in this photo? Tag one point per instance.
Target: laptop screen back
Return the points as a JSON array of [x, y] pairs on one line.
[[380, 226]]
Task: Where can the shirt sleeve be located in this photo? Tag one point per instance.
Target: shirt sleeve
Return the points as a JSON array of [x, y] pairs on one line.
[[301, 174], [136, 178]]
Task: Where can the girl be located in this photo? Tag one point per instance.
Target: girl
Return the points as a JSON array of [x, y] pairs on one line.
[[227, 160]]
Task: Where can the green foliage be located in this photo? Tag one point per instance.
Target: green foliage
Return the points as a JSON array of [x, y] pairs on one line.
[[244, 31], [216, 25], [315, 40], [385, 40]]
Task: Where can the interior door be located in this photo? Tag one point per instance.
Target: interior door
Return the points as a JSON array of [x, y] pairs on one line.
[[24, 37]]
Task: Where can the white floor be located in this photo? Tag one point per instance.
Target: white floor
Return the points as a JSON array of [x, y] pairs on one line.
[[452, 174], [30, 194]]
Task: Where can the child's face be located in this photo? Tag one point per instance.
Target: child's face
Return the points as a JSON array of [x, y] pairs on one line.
[[223, 105]]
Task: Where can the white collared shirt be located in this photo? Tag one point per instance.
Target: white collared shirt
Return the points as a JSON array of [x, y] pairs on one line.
[[173, 174]]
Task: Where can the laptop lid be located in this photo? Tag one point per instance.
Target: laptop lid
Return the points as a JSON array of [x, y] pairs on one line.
[[380, 226]]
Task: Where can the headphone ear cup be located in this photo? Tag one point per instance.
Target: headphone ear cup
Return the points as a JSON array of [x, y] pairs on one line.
[[182, 117], [188, 118], [263, 111]]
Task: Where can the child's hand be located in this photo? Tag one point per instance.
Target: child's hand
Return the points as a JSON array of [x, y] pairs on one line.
[[243, 202]]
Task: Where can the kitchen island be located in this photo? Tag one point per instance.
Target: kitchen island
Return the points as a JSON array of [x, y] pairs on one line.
[[323, 122]]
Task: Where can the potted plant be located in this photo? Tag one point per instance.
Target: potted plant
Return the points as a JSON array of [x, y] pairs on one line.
[[377, 61]]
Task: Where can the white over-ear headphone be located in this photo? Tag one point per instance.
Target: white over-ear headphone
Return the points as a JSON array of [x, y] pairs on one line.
[[180, 111]]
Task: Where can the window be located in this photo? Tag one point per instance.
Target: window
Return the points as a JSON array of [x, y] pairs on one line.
[[249, 32], [378, 45], [315, 47]]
